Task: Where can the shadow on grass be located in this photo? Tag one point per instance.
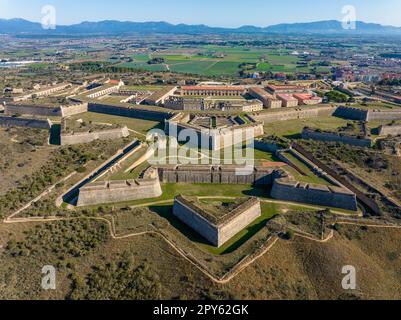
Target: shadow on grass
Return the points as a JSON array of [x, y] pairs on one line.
[[159, 126], [55, 131], [250, 232], [296, 136], [232, 245], [258, 191], [375, 131], [166, 212]]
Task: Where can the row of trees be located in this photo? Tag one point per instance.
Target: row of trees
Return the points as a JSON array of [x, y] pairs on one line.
[[337, 96]]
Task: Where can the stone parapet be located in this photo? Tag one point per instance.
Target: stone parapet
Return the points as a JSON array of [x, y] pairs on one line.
[[308, 134], [25, 122], [105, 192], [86, 137], [390, 130], [286, 188]]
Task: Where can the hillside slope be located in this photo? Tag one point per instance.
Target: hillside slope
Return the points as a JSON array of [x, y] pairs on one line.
[[297, 269]]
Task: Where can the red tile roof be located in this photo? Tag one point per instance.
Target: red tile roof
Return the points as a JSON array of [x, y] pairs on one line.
[[306, 96], [283, 87], [286, 97], [213, 88], [262, 93], [114, 81]]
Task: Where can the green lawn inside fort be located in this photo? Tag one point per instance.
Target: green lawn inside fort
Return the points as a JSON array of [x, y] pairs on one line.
[[303, 173], [293, 128], [162, 206], [139, 125]]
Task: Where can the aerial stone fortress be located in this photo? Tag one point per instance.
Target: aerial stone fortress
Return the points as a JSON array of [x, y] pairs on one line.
[[219, 131], [284, 186], [217, 231]]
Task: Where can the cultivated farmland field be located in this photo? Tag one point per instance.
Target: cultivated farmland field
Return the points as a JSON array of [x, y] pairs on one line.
[[219, 61]]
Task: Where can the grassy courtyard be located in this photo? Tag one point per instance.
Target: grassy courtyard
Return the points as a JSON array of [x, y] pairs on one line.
[[138, 125], [291, 128]]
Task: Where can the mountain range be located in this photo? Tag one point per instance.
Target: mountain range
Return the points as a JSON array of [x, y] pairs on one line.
[[113, 27]]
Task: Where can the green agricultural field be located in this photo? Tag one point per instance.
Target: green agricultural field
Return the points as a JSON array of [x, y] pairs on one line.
[[140, 57], [223, 68], [264, 66], [144, 66], [212, 60], [195, 67]]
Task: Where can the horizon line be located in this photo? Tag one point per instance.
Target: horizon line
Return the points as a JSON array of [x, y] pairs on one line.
[[198, 24]]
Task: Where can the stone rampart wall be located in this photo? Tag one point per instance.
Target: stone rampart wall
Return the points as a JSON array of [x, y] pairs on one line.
[[230, 229], [366, 115], [325, 136], [118, 191], [296, 113], [196, 222], [129, 112], [393, 130], [213, 174], [351, 113], [291, 190], [220, 234], [32, 110], [215, 139], [376, 115], [86, 137], [25, 122], [266, 146], [67, 111]]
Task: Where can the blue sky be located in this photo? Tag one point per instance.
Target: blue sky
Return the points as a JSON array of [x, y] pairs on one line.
[[225, 13]]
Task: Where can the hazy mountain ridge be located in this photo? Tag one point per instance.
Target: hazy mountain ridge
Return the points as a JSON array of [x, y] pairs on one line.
[[21, 26]]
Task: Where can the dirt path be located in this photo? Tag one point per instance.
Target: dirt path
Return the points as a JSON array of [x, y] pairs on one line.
[[43, 194], [136, 132], [230, 275], [220, 280], [360, 214], [212, 65]]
